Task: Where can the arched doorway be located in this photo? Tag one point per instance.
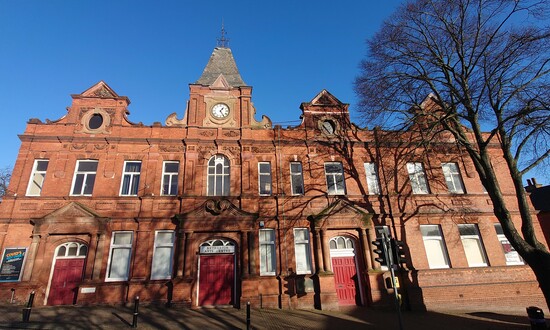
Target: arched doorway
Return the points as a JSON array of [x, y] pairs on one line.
[[67, 272], [344, 266], [216, 273]]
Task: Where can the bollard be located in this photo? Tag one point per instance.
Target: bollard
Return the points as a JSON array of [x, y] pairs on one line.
[[248, 315], [12, 295], [27, 310], [536, 318], [136, 312]]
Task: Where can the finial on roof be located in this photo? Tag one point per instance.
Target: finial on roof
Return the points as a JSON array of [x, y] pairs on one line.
[[223, 41]]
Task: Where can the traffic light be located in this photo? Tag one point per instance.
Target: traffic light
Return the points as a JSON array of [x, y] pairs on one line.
[[382, 251], [398, 249]]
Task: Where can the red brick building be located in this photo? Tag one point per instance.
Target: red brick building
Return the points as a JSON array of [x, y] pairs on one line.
[[218, 208]]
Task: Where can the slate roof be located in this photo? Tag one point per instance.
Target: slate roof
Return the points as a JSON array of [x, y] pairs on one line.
[[221, 62]]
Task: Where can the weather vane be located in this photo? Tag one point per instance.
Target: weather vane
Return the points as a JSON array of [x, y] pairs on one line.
[[223, 41]]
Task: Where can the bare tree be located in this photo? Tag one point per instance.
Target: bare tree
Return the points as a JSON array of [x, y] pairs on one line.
[[485, 65], [5, 175]]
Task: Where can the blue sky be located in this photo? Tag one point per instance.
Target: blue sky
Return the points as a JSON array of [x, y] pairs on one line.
[[150, 51]]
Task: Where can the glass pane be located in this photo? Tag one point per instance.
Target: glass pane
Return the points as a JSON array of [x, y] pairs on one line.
[[41, 165], [302, 258], [341, 243], [61, 252], [332, 244], [171, 167], [87, 166], [498, 228], [265, 168], [89, 187], [430, 231], [474, 252], [435, 253], [174, 185], [162, 262], [332, 168], [36, 184], [73, 249], [119, 263], [135, 184], [226, 185], [211, 186], [83, 250], [165, 238], [467, 230], [122, 238], [78, 181], [125, 185], [300, 234], [133, 167]]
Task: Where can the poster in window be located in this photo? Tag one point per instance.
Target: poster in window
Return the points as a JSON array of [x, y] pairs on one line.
[[12, 264]]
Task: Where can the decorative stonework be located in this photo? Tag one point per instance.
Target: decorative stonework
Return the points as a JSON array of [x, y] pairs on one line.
[[86, 115], [208, 133], [231, 134], [172, 120], [172, 148], [263, 150]]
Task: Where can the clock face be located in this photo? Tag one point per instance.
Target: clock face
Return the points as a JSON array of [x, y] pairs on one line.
[[220, 110]]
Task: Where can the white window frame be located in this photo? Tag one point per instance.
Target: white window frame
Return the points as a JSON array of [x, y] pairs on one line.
[[114, 247], [417, 177], [219, 178], [332, 179], [453, 178], [133, 177], [37, 174], [88, 177], [159, 260], [169, 179], [373, 181], [296, 178], [303, 266], [510, 254], [268, 260], [264, 177], [479, 250], [442, 249]]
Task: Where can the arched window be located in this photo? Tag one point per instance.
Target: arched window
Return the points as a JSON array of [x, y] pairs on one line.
[[71, 250], [218, 176]]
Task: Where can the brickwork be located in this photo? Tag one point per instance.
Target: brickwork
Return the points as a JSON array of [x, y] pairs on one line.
[[97, 127]]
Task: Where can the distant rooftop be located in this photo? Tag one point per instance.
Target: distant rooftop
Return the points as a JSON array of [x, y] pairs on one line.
[[221, 63]]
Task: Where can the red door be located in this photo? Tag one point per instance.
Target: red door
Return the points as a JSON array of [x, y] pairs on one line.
[[216, 280], [345, 277], [67, 276]]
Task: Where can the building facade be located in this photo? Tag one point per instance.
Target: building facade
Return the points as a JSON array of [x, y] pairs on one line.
[[219, 208]]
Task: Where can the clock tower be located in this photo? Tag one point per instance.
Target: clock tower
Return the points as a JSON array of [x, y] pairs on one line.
[[220, 97]]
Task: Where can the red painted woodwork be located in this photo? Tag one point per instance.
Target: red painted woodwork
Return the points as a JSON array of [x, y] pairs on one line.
[[217, 275], [67, 276], [345, 277]]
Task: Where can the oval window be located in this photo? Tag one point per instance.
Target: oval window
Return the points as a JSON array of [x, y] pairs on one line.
[[95, 121]]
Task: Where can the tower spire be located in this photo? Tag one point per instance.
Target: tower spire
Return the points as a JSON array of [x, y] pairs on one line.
[[223, 41]]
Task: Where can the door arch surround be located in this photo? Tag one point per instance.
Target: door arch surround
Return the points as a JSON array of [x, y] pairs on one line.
[[66, 273], [347, 281], [217, 273]]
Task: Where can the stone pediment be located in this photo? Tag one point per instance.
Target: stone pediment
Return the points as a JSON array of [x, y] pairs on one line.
[[325, 98], [73, 217], [217, 208], [217, 215], [101, 90], [341, 214]]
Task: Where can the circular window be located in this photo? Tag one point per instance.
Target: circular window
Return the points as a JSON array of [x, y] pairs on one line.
[[96, 120]]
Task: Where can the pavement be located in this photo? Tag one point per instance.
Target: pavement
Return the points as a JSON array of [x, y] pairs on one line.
[[177, 317]]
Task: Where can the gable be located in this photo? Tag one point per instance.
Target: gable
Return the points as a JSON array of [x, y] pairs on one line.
[[100, 90]]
